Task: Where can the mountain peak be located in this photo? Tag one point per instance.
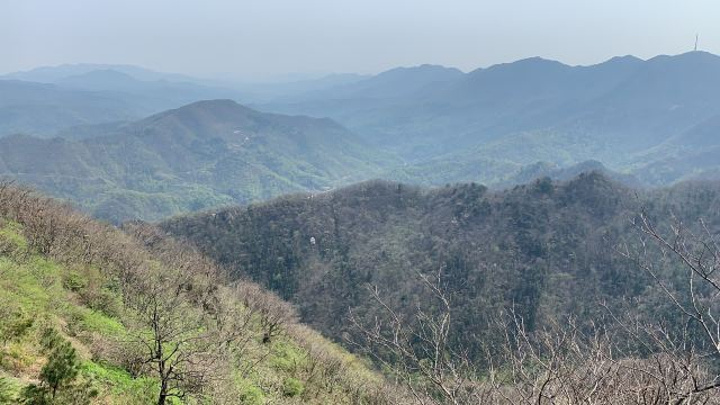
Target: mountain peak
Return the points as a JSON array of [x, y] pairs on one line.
[[217, 103], [206, 112], [621, 60], [535, 61], [693, 57], [528, 64], [102, 74], [425, 70]]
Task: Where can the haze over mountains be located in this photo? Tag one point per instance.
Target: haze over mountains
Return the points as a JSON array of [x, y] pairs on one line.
[[536, 110], [651, 122]]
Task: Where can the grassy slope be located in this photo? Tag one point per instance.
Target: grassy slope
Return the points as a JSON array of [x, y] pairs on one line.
[[33, 288]]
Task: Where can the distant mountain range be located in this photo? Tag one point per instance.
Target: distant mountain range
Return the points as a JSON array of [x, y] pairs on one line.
[[52, 74], [53, 101], [511, 115], [642, 122]]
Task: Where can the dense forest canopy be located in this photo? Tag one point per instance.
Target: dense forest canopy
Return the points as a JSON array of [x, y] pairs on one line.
[[547, 249]]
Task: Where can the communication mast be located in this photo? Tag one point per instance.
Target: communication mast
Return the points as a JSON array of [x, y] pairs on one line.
[[697, 38]]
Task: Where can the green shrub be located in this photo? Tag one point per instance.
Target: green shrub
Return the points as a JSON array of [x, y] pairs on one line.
[[251, 395], [74, 282], [15, 324], [104, 300], [119, 383], [11, 240], [58, 377], [293, 387], [287, 357], [35, 395], [7, 396]]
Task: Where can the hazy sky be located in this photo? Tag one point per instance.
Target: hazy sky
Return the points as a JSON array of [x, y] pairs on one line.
[[271, 37]]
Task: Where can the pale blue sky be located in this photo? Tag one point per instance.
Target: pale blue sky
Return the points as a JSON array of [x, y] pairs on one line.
[[271, 37]]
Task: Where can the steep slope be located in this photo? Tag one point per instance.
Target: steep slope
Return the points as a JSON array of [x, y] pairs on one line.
[[687, 155], [92, 315], [531, 248], [205, 154]]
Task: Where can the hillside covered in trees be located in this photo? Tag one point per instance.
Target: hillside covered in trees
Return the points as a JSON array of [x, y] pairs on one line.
[[206, 154], [545, 249]]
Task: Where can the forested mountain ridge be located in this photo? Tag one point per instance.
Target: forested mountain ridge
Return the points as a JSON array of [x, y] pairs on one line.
[[206, 154], [85, 305], [532, 247]]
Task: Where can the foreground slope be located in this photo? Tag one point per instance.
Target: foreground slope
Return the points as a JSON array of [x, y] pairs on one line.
[[89, 314], [202, 155]]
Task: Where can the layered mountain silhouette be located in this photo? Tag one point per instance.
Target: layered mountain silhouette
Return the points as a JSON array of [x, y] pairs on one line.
[[516, 114], [55, 103], [651, 122]]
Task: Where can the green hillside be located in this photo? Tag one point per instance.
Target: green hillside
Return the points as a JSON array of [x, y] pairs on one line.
[[207, 154]]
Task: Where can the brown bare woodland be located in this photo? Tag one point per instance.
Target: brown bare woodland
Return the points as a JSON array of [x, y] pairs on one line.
[[623, 359]]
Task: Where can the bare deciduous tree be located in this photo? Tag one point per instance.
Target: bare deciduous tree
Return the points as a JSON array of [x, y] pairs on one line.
[[693, 257], [272, 311], [418, 350], [624, 359]]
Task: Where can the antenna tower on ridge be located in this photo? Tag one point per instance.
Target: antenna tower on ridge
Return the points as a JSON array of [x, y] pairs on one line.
[[697, 38]]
